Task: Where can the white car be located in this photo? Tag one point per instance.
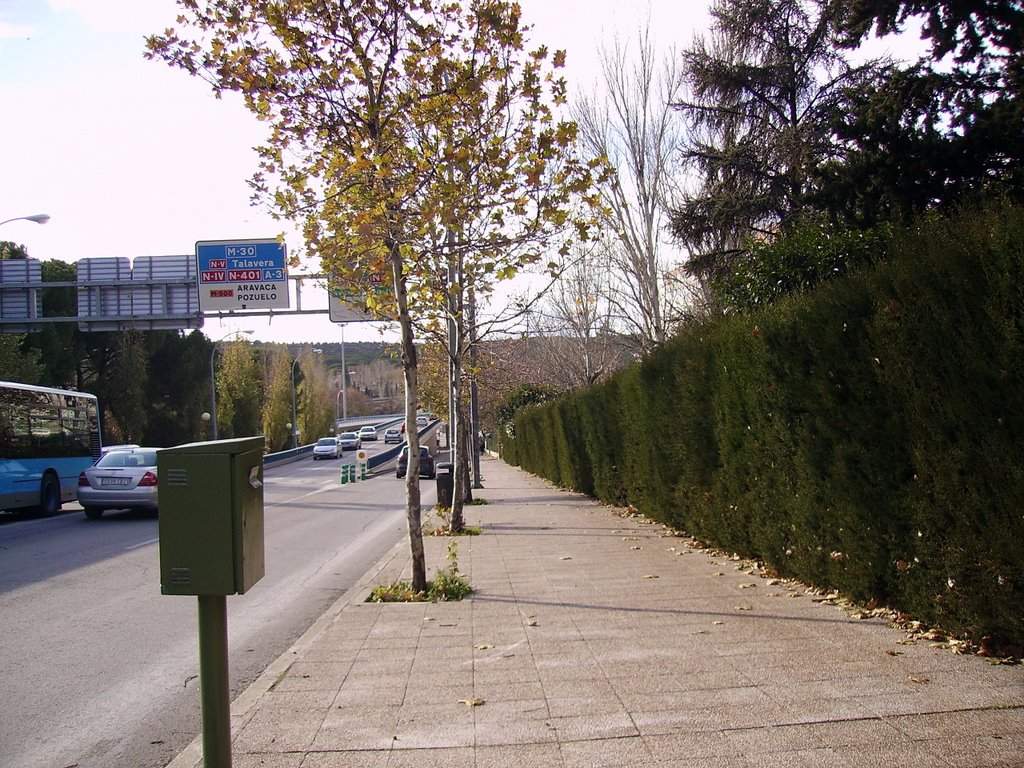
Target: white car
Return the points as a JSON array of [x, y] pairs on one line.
[[327, 448], [368, 433], [350, 441]]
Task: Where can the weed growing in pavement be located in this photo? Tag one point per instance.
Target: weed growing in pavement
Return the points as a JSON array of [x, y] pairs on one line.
[[445, 513], [448, 584]]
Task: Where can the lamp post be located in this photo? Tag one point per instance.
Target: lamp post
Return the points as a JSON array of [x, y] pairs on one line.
[[38, 218], [344, 378], [213, 380], [295, 421]]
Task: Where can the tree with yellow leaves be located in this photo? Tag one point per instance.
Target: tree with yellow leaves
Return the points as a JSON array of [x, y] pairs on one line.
[[404, 134]]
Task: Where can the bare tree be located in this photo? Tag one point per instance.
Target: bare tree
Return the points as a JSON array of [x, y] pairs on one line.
[[633, 127], [577, 323]]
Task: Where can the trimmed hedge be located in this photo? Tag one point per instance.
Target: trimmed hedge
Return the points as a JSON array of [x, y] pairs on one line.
[[866, 436]]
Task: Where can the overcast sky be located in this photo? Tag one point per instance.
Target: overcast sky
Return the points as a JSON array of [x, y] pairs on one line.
[[130, 157]]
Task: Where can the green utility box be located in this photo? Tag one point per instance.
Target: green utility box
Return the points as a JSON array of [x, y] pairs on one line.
[[211, 517]]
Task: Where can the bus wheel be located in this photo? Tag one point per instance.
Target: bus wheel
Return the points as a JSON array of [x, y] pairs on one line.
[[93, 513], [49, 495]]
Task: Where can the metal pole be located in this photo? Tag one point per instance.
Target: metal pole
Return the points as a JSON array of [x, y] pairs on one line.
[[344, 377], [213, 681], [295, 423], [213, 391], [453, 346], [474, 405]]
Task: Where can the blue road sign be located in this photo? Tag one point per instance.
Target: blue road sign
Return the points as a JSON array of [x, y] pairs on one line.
[[242, 274]]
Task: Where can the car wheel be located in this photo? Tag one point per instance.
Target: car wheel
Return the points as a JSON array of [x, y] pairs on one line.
[[49, 495], [93, 513]]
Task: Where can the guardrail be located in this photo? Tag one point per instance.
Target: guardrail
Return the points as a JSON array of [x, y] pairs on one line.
[[295, 454]]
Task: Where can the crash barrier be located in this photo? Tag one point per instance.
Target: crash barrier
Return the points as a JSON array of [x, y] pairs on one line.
[[348, 473]]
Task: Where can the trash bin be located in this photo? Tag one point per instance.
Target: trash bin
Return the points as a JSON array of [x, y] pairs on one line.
[[445, 485]]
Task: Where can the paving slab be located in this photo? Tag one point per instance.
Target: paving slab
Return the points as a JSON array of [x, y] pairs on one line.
[[597, 638]]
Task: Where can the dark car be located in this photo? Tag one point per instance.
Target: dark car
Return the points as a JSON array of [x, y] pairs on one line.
[[426, 462]]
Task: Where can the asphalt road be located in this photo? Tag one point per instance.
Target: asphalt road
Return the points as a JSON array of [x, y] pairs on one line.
[[101, 671]]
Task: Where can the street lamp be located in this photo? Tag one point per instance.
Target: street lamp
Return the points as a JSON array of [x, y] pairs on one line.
[[295, 421], [213, 380], [38, 218]]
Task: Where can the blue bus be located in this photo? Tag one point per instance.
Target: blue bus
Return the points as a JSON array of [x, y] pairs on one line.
[[47, 437]]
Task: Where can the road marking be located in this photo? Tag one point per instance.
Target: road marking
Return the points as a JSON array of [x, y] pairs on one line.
[[143, 544]]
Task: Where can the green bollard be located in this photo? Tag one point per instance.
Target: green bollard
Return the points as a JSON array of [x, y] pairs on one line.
[[344, 474]]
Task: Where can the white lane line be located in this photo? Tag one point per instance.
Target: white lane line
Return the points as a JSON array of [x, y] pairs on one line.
[[143, 544]]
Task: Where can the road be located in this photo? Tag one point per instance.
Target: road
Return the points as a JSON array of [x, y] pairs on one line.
[[101, 671]]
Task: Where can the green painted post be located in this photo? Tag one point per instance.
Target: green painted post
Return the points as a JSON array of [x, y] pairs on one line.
[[213, 681]]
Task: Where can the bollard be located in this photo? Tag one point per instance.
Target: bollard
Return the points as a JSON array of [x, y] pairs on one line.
[[344, 473]]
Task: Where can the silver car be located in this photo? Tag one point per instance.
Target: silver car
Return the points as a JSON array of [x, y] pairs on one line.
[[327, 448], [121, 479], [350, 441]]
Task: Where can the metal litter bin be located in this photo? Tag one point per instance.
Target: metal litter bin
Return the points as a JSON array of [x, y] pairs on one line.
[[445, 485]]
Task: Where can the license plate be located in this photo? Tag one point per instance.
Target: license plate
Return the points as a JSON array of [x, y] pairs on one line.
[[114, 481]]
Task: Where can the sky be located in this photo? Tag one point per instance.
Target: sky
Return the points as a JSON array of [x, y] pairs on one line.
[[130, 157]]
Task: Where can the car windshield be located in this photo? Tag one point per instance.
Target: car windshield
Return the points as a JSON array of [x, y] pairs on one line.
[[349, 436], [128, 459], [328, 441]]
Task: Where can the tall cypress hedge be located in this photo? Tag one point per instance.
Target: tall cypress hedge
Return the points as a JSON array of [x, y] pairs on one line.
[[867, 435]]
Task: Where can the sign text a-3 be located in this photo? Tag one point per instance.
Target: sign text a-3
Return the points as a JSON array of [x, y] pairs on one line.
[[242, 274]]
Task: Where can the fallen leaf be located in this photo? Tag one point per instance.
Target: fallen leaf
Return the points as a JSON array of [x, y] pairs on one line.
[[475, 701], [650, 576], [891, 652], [744, 607], [565, 557], [718, 623], [532, 623], [483, 646], [747, 586], [915, 679], [636, 547]]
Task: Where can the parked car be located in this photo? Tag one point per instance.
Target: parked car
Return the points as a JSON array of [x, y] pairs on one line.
[[327, 448], [367, 433], [349, 441], [392, 435], [125, 447], [121, 479], [426, 462]]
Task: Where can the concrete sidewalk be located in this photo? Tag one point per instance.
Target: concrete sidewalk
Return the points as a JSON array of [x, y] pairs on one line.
[[598, 639]]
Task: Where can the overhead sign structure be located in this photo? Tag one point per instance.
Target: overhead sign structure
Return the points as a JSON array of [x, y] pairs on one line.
[[242, 274], [347, 306]]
